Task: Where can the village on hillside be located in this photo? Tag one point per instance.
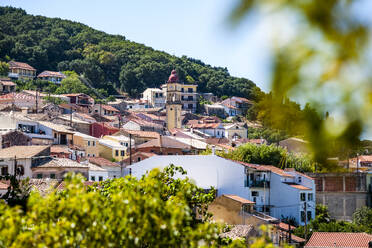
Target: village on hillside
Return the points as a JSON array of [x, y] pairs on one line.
[[45, 140]]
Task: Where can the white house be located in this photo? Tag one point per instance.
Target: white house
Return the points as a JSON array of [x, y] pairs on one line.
[[114, 170], [276, 192], [155, 97], [96, 173], [235, 131], [210, 129]]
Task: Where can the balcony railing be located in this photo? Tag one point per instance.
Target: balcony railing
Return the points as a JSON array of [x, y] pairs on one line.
[[257, 184]]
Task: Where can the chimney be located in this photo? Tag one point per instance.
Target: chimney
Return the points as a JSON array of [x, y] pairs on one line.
[[213, 150]]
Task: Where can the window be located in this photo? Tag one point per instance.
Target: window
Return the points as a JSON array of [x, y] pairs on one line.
[[169, 153], [303, 196], [116, 153], [190, 90], [190, 106], [254, 193], [122, 153], [299, 179], [88, 143], [52, 176], [55, 135], [92, 178], [138, 159], [100, 178], [20, 170], [88, 154], [218, 132], [308, 215], [114, 176], [4, 170], [93, 155], [302, 216], [39, 176], [310, 197], [93, 143]]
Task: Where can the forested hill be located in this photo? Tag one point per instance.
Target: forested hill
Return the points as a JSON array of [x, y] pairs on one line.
[[109, 61]]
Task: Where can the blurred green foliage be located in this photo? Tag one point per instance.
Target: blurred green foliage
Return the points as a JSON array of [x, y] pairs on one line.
[[269, 155], [154, 211], [320, 57], [4, 69]]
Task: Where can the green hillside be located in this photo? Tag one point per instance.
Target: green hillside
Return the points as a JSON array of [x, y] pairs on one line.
[[109, 61]]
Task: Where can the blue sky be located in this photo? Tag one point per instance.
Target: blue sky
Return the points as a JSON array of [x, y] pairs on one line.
[[194, 28]]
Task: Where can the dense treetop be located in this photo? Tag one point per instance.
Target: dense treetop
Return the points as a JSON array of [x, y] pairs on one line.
[[108, 61]]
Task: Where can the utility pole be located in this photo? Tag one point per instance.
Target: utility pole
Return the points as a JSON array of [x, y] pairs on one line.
[[36, 101], [130, 149], [70, 116], [305, 207], [15, 165]]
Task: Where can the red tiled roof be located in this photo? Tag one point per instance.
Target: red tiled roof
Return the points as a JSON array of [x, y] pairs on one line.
[[299, 173], [52, 74], [102, 162], [165, 142], [109, 108], [142, 134], [13, 96], [339, 239], [242, 99], [205, 125], [298, 186], [271, 168], [144, 154], [239, 199], [215, 141], [7, 82], [229, 105], [284, 226], [59, 149], [20, 65], [144, 123]]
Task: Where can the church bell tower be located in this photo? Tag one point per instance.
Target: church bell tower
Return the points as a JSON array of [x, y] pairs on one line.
[[173, 101]]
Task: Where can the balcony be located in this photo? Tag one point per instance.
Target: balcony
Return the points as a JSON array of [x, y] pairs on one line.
[[257, 184]]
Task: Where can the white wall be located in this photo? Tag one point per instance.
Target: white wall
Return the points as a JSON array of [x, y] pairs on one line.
[[97, 174], [130, 125], [205, 170]]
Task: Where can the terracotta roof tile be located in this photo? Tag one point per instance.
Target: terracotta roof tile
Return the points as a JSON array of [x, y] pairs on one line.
[[6, 82], [109, 108], [21, 151], [102, 162], [165, 142], [142, 134], [239, 199], [51, 74], [205, 125], [59, 149], [300, 187], [339, 239], [21, 65]]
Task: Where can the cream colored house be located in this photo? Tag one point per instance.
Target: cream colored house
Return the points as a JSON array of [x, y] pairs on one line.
[[88, 143], [114, 147], [20, 159], [235, 131], [155, 97]]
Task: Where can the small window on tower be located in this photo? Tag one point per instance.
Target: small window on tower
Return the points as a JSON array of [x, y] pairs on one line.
[[171, 108]]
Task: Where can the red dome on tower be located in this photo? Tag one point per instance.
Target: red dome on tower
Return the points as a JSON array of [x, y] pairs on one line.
[[173, 78]]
